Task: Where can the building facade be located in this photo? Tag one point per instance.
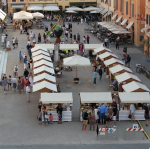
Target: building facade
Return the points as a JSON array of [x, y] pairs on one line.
[[127, 14], [18, 5]]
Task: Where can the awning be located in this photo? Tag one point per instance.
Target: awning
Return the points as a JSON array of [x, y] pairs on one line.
[[148, 33], [2, 12], [101, 23], [43, 68], [22, 15], [144, 29], [102, 49], [121, 32], [38, 47], [39, 57], [112, 61], [51, 8], [81, 3], [106, 54], [69, 47], [39, 53], [107, 14], [125, 76], [92, 46], [119, 19], [124, 21], [44, 63], [104, 11], [100, 9], [138, 97], [114, 16], [134, 86], [119, 68], [35, 7], [73, 8], [43, 86], [44, 76], [45, 46], [17, 6], [47, 98], [108, 24], [96, 97], [129, 25]]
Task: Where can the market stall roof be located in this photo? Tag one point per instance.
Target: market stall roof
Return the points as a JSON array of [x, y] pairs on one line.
[[39, 53], [47, 98], [144, 29], [110, 24], [38, 48], [44, 85], [46, 46], [101, 49], [39, 57], [117, 28], [35, 7], [148, 33], [129, 25], [107, 14], [3, 13], [70, 11], [44, 76], [114, 16], [106, 54], [38, 15], [43, 68], [104, 11], [90, 8], [100, 9], [43, 62], [74, 8], [2, 17], [96, 97], [125, 76], [121, 32], [106, 24], [138, 97], [119, 18], [92, 46], [94, 12], [133, 86], [112, 61], [69, 47], [22, 15], [118, 68], [51, 8], [124, 21], [101, 23]]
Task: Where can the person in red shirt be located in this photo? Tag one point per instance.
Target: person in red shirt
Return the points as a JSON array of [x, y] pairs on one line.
[[87, 39], [27, 81], [51, 118]]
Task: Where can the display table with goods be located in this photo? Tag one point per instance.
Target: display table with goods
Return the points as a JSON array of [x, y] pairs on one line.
[[51, 101], [92, 100], [139, 99]]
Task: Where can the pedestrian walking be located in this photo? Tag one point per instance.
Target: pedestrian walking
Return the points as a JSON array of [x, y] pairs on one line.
[[132, 110], [31, 35], [13, 42], [70, 38], [16, 42], [20, 57], [40, 117], [34, 39], [87, 39], [16, 68], [114, 113], [30, 53], [26, 73], [92, 121], [128, 61], [30, 77], [5, 42], [94, 77], [5, 85], [85, 120], [66, 34], [19, 85], [78, 38], [45, 115], [44, 37], [109, 116], [81, 20], [39, 38], [25, 62], [84, 40], [100, 73], [117, 42], [105, 42], [28, 93], [22, 82], [102, 111], [75, 37], [31, 63], [21, 29], [9, 82], [14, 83], [146, 115]]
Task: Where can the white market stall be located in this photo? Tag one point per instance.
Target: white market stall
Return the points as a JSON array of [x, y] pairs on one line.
[[43, 63], [90, 8], [74, 8], [92, 46], [88, 98], [44, 86], [35, 7], [49, 47], [135, 87], [41, 57], [102, 50], [39, 52], [44, 77], [38, 15], [69, 47], [43, 69], [133, 98], [37, 48], [50, 100]]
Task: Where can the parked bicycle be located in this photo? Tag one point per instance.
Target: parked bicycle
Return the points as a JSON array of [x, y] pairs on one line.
[[140, 69]]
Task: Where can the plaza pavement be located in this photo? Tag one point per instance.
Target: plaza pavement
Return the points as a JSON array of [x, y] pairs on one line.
[[19, 126]]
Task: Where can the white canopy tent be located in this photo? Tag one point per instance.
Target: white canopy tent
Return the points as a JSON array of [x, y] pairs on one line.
[[125, 76], [112, 26], [44, 85], [94, 12], [38, 15], [74, 8], [118, 68], [112, 61], [97, 50], [42, 69], [39, 57], [37, 47], [22, 15], [51, 8], [138, 97], [117, 28], [133, 86], [121, 32], [96, 97], [40, 52], [44, 63], [69, 47], [129, 25], [100, 9], [44, 76], [102, 23], [104, 11], [124, 21], [119, 18], [108, 25], [35, 7], [70, 11], [47, 98], [114, 16], [3, 13], [92, 46], [2, 17], [107, 14], [106, 54], [45, 46], [90, 8]]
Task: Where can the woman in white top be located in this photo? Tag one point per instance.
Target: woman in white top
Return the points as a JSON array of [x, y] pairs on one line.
[[30, 76], [84, 40], [81, 20], [96, 115], [132, 109], [8, 44]]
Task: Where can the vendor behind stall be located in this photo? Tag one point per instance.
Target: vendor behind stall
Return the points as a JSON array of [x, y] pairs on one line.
[[59, 112]]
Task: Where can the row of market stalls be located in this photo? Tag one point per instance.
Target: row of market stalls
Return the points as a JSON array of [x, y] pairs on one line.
[[2, 15]]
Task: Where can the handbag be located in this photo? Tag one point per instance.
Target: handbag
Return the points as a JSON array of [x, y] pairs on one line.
[[46, 116], [129, 116]]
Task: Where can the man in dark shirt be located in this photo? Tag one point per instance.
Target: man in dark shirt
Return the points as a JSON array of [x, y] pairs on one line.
[[100, 73], [114, 114], [26, 73], [85, 120], [78, 38]]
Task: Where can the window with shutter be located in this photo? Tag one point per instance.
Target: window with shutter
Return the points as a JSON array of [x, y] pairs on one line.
[[146, 18], [126, 7], [117, 4], [133, 10], [121, 6], [149, 20]]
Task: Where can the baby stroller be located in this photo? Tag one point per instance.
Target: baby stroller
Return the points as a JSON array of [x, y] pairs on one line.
[[59, 118]]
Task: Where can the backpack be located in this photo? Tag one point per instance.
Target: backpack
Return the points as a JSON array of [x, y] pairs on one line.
[[83, 114]]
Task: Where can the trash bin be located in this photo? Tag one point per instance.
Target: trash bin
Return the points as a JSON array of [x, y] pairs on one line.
[[125, 49]]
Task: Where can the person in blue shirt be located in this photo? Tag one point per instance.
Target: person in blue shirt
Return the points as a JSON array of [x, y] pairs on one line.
[[102, 111], [100, 73], [94, 76], [25, 62], [20, 56], [114, 82]]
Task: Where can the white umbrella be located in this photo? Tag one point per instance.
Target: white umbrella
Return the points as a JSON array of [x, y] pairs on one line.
[[94, 12], [51, 8], [76, 61], [35, 8], [22, 15], [38, 15], [121, 32], [90, 8], [70, 11], [74, 8]]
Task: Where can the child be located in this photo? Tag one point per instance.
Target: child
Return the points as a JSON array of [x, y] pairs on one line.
[[51, 118]]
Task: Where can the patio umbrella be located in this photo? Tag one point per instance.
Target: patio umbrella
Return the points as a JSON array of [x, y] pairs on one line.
[[38, 15], [74, 8], [70, 11], [91, 8], [94, 12], [76, 61], [22, 15]]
